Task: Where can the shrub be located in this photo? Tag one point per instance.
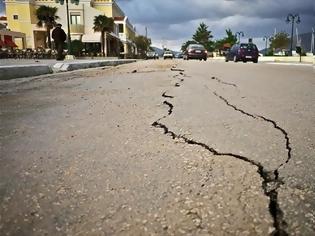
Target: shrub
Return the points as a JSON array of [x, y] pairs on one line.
[[76, 47]]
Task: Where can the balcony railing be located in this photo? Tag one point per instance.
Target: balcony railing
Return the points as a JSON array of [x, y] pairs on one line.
[[77, 29], [123, 36]]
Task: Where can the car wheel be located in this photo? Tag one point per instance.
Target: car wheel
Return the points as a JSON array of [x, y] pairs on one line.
[[226, 60], [255, 61], [244, 61], [235, 59], [205, 59]]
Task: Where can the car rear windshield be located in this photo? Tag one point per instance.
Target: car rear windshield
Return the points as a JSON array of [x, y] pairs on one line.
[[249, 46], [200, 47]]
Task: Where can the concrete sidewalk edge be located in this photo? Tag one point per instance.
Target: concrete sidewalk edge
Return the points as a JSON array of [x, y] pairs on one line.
[[21, 71]]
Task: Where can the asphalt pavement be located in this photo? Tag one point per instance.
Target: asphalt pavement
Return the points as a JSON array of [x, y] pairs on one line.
[[159, 148]]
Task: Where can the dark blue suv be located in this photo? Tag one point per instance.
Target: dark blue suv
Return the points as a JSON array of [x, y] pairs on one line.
[[243, 52]]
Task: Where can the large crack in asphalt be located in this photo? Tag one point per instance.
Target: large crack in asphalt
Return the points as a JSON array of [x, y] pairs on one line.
[[223, 82], [164, 95], [274, 124], [270, 179]]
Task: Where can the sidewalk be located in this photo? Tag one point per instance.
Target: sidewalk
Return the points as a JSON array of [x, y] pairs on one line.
[[284, 59], [19, 68]]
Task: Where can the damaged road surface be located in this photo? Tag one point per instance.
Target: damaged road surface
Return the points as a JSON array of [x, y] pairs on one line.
[[159, 148]]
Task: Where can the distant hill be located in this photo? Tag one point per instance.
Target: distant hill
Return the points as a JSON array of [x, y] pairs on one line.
[[158, 51]]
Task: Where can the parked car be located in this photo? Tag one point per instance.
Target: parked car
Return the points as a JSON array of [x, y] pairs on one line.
[[168, 54], [152, 55], [243, 52], [179, 55], [195, 51]]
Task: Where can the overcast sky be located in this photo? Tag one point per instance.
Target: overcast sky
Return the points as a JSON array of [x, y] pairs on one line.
[[172, 22]]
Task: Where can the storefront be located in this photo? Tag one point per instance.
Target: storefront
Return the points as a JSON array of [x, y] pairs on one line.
[[12, 39], [92, 44]]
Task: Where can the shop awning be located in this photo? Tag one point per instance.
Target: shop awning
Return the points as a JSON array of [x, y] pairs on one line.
[[9, 43], [96, 37], [127, 41], [114, 35], [91, 38]]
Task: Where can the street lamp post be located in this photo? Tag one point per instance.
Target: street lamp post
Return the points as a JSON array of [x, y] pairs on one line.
[[293, 18], [265, 38], [76, 2], [313, 41], [239, 34]]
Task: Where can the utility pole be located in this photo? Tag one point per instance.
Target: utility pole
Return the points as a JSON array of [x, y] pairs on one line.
[[146, 32], [293, 18]]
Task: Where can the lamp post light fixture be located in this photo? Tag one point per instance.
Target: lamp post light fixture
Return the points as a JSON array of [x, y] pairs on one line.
[[293, 18], [265, 38], [239, 34], [76, 2]]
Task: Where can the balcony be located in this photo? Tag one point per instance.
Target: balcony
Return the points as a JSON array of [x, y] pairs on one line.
[[77, 29], [123, 36]]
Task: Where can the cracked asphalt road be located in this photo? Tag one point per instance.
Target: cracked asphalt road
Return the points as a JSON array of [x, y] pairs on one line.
[[159, 148]]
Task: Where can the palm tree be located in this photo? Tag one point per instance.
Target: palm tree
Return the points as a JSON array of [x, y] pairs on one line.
[[103, 24], [230, 37], [47, 16]]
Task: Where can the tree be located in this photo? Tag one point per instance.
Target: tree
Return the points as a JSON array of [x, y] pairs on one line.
[[279, 41], [219, 44], [230, 37], [47, 16], [228, 41], [203, 36], [143, 44], [186, 44], [103, 24]]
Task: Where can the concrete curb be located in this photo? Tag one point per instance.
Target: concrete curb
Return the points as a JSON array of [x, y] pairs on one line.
[[21, 71], [18, 71], [64, 66]]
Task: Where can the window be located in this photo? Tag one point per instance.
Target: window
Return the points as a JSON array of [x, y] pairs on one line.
[[75, 19], [15, 17], [121, 28]]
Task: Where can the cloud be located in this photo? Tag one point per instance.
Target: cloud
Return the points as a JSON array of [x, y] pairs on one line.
[[175, 21]]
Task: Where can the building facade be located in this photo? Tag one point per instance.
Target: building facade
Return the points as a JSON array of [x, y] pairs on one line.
[[127, 33], [21, 17], [8, 37]]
